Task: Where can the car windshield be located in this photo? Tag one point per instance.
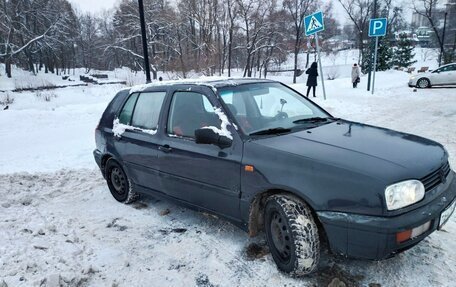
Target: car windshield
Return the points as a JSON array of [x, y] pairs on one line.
[[271, 108]]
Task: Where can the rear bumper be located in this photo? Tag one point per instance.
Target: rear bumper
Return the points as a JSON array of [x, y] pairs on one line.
[[97, 155], [374, 237]]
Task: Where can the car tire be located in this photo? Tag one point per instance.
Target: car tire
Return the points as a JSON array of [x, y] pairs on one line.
[[423, 83], [292, 235], [118, 182]]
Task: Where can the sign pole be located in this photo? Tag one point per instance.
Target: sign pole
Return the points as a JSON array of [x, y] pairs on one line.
[[319, 65], [375, 64], [377, 28], [313, 24]]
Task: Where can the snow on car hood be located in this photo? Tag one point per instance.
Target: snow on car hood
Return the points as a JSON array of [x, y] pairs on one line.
[[364, 148]]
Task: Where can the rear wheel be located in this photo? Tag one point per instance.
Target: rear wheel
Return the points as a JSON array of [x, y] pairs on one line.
[[292, 235], [423, 83], [118, 182]]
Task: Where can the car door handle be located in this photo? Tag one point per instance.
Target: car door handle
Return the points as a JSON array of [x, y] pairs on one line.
[[165, 148]]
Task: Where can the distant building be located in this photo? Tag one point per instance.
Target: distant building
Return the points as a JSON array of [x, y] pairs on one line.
[[425, 36], [340, 42], [450, 31], [412, 37], [423, 29]]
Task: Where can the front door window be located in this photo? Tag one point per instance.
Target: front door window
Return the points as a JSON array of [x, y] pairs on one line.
[[190, 111]]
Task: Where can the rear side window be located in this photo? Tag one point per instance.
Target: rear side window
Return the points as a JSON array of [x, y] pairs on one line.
[[147, 110], [127, 111]]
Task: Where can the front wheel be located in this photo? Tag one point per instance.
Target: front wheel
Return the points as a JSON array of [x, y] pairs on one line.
[[118, 182], [292, 235], [423, 83]]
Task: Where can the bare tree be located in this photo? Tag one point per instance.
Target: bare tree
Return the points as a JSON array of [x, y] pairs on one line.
[[359, 12], [297, 9], [29, 27], [426, 8]]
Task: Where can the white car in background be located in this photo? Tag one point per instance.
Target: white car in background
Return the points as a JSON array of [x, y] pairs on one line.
[[445, 75]]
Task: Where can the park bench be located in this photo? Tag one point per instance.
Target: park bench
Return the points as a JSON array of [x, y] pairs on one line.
[[423, 69]]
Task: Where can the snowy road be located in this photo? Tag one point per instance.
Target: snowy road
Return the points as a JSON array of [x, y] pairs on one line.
[[67, 225], [63, 225]]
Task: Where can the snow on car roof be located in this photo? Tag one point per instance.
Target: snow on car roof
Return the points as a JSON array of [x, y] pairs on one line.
[[211, 82]]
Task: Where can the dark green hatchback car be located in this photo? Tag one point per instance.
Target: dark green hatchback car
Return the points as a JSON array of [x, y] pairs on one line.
[[265, 157]]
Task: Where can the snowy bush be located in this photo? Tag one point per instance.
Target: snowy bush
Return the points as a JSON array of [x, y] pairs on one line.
[[32, 83], [46, 96], [6, 99], [332, 72]]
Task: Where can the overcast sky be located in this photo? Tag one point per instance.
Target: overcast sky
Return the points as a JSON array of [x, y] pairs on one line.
[[96, 6]]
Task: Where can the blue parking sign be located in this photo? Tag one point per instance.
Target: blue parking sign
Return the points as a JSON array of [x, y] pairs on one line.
[[377, 27], [314, 23]]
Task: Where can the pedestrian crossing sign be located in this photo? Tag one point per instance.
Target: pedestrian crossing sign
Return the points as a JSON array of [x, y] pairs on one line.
[[314, 23]]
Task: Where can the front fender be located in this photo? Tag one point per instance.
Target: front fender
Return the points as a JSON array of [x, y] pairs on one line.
[[322, 186]]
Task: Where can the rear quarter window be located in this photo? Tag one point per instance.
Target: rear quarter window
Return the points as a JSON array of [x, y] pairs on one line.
[[113, 108], [127, 110]]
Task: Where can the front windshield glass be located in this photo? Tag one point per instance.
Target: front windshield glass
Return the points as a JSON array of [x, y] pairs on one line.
[[270, 106]]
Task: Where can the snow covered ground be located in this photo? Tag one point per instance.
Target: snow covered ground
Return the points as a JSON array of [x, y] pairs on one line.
[[58, 222]]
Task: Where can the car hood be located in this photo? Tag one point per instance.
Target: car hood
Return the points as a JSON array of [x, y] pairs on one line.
[[378, 152]]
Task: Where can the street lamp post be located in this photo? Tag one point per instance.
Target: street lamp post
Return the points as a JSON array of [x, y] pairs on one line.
[[144, 40]]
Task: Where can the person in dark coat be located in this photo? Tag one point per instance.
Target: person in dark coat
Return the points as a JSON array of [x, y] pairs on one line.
[[312, 78]]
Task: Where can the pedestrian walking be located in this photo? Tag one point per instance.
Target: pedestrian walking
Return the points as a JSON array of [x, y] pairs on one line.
[[355, 75], [312, 78]]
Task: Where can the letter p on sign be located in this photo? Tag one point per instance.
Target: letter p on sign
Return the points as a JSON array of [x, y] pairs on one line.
[[377, 27]]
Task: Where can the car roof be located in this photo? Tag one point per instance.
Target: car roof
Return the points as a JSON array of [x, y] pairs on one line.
[[210, 82], [447, 65]]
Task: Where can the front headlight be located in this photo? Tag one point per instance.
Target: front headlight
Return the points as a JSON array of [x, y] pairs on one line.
[[403, 194], [412, 78]]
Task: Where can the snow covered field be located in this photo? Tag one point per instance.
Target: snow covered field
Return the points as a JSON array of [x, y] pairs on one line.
[[60, 225]]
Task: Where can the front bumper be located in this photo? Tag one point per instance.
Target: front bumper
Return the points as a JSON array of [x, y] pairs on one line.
[[374, 237]]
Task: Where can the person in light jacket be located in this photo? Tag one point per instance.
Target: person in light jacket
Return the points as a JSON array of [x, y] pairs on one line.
[[312, 78], [355, 75]]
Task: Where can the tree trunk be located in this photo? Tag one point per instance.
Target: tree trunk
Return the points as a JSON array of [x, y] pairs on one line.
[[8, 67], [296, 53], [360, 46], [295, 68]]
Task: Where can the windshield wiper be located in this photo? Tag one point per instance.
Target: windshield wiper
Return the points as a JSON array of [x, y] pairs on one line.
[[272, 131], [312, 120]]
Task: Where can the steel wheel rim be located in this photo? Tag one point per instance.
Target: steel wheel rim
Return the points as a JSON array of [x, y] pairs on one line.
[[280, 235], [118, 180]]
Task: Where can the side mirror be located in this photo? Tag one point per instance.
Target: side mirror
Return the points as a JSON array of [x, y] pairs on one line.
[[208, 136]]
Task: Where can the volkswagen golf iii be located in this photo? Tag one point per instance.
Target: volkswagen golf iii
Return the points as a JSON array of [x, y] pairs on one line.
[[265, 157]]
